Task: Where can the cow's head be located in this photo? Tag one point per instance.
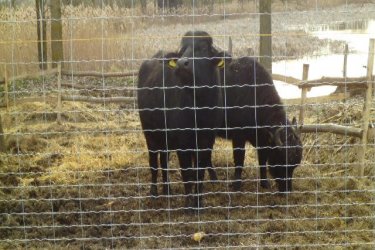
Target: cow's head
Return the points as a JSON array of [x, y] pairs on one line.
[[286, 154], [198, 61]]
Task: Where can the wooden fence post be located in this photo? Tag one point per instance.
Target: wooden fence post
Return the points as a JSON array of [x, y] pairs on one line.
[[6, 92], [346, 52], [59, 93], [366, 108], [2, 137], [345, 70], [305, 76]]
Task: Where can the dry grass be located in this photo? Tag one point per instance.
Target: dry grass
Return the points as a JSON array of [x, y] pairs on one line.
[[85, 183], [92, 173]]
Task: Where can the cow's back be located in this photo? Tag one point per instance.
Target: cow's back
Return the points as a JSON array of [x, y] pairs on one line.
[[250, 98]]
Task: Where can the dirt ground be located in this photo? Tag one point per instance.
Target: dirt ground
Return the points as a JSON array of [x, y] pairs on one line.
[[85, 184]]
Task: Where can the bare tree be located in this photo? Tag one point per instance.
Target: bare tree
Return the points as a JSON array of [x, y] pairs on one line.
[[143, 6], [169, 4], [265, 29], [41, 29], [2, 140], [56, 33]]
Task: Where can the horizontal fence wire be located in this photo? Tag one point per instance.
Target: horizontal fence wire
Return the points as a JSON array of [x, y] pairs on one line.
[[77, 158]]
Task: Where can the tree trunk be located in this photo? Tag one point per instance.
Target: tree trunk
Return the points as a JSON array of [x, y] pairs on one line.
[[144, 6], [56, 33], [265, 48], [2, 137], [41, 29]]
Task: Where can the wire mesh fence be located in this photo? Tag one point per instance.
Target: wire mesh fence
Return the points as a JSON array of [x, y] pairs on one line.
[[76, 167]]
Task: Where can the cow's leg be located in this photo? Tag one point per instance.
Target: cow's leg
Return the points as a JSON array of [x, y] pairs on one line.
[[201, 164], [153, 162], [210, 168], [239, 159], [262, 159], [187, 173], [164, 157]]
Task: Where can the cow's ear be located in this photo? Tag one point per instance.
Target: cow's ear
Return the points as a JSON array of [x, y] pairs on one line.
[[222, 58]]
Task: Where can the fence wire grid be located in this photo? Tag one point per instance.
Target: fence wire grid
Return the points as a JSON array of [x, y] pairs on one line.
[[74, 163]]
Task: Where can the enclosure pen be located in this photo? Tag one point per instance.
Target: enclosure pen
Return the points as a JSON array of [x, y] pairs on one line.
[[112, 111]]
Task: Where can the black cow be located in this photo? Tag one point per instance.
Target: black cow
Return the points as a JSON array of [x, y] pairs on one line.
[[154, 80], [179, 100], [255, 113]]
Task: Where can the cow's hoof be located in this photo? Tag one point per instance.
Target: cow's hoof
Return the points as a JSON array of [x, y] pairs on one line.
[[198, 203], [154, 191], [213, 175], [236, 185], [265, 184], [189, 205], [167, 190]]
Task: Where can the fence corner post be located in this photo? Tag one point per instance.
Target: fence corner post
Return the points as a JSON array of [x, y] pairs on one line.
[[59, 105], [305, 76], [366, 109]]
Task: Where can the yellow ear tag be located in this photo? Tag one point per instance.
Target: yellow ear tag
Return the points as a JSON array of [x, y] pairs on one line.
[[221, 63], [172, 63]]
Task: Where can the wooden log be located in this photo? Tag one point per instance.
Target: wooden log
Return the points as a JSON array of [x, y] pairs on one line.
[[68, 73], [360, 82], [286, 79], [98, 74], [80, 87], [52, 99], [318, 99], [366, 107], [331, 128], [59, 105], [99, 100], [305, 75], [34, 75], [45, 99]]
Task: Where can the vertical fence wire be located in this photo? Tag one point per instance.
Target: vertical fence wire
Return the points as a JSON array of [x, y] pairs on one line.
[[75, 172]]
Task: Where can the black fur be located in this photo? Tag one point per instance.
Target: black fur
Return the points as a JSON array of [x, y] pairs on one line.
[[254, 113], [154, 80], [179, 111]]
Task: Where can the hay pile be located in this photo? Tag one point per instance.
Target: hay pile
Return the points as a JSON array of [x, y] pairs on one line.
[[85, 183]]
